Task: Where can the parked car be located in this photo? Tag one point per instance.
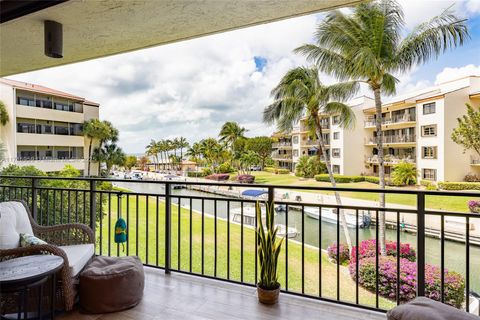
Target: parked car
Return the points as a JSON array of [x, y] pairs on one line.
[[255, 168]]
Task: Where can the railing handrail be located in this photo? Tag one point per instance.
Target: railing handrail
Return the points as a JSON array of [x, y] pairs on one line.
[[252, 185]]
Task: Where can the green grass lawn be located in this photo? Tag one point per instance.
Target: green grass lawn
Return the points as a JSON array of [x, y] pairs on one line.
[[151, 241], [458, 204]]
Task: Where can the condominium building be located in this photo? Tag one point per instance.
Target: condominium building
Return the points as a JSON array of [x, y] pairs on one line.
[[44, 127], [417, 128]]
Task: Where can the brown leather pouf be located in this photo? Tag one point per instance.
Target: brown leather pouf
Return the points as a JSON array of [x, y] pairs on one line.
[[110, 284]]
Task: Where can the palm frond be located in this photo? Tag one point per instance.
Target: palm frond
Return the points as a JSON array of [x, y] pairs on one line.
[[346, 115], [429, 39]]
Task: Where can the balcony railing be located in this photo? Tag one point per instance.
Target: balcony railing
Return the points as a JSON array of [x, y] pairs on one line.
[[391, 159], [370, 122], [393, 139], [475, 161], [206, 235], [282, 156], [281, 144]]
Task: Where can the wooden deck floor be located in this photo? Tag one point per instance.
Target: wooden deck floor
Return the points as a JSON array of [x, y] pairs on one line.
[[178, 296]]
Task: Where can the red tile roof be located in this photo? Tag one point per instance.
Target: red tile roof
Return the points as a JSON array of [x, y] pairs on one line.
[[41, 89]]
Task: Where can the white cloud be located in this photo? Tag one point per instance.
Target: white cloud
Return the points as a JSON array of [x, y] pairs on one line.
[[448, 74], [191, 88]]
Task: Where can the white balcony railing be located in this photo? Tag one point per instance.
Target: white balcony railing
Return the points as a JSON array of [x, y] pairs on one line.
[[393, 139], [370, 122], [389, 159]]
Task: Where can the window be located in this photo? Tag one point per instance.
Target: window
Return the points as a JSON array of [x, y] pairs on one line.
[[336, 135], [335, 152], [429, 152], [336, 169], [63, 155], [336, 120], [429, 131], [429, 108], [26, 101], [295, 139], [429, 174]]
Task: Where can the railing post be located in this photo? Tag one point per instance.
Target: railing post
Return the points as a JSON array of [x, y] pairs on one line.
[[271, 196], [168, 212], [420, 244], [34, 200], [93, 205]]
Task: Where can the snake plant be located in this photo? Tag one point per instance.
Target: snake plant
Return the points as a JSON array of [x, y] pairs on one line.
[[268, 248]]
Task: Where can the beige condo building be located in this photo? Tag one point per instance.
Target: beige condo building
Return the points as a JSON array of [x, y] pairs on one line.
[[417, 128], [45, 127]]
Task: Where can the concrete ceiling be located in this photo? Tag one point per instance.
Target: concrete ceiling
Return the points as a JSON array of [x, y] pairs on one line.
[[98, 28]]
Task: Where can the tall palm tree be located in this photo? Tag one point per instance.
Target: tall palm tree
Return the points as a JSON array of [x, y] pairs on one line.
[[182, 144], [3, 114], [111, 155], [152, 149], [301, 93], [95, 130], [230, 132], [368, 46], [194, 151]]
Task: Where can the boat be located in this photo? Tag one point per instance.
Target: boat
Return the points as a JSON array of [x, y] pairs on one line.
[[248, 215], [172, 177], [330, 215], [291, 232]]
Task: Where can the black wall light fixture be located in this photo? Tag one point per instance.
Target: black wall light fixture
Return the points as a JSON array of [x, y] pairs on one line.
[[53, 39]]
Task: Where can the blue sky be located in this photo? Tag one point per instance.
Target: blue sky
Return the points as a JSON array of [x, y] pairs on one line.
[[191, 88]]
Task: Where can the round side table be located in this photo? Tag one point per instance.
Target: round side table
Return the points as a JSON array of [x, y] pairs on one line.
[[20, 275]]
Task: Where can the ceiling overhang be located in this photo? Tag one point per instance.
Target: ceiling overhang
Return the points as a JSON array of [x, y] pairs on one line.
[[99, 28]]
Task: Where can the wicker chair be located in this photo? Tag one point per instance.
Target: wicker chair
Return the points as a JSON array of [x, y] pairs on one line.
[[55, 236]]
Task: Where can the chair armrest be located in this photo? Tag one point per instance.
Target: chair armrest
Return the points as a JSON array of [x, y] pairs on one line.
[[8, 254], [66, 234]]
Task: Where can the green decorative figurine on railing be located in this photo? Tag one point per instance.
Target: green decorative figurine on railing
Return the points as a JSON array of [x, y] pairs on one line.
[[120, 226]]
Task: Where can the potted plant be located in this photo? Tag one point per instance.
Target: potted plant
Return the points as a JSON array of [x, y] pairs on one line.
[[268, 287]]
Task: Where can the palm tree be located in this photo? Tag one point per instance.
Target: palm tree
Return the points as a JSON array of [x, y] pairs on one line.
[[95, 129], [300, 93], [367, 46], [3, 114], [182, 143], [194, 151], [230, 132], [111, 155], [152, 149]]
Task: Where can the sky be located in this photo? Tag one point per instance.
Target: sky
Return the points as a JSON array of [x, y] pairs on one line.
[[191, 88]]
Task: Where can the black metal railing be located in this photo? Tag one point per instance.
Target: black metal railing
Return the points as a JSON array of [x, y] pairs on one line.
[[207, 235]]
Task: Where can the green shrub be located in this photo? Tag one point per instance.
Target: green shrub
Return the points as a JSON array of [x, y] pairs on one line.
[[195, 174], [276, 170], [456, 186], [404, 173], [372, 179], [207, 171], [308, 167], [431, 187], [225, 167], [339, 178]]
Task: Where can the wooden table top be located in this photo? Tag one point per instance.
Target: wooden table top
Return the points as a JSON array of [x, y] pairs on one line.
[[28, 267]]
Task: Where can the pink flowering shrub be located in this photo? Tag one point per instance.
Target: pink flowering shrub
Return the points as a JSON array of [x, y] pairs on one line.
[[218, 177], [245, 178], [474, 206], [343, 252], [367, 249], [387, 274]]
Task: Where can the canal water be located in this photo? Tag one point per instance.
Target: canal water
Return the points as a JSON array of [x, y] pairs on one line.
[[455, 252]]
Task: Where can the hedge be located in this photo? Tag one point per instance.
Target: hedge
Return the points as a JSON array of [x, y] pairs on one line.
[[459, 185], [372, 179], [339, 178], [367, 249], [218, 177], [245, 178], [276, 170], [196, 174]]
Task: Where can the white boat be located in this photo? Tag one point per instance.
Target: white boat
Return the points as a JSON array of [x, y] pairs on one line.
[[291, 232], [329, 215], [248, 215]]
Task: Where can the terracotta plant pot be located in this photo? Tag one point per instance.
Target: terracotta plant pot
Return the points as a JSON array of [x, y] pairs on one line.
[[268, 296]]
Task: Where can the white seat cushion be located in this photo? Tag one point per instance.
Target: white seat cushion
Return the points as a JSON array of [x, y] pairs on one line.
[[13, 221], [78, 256]]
